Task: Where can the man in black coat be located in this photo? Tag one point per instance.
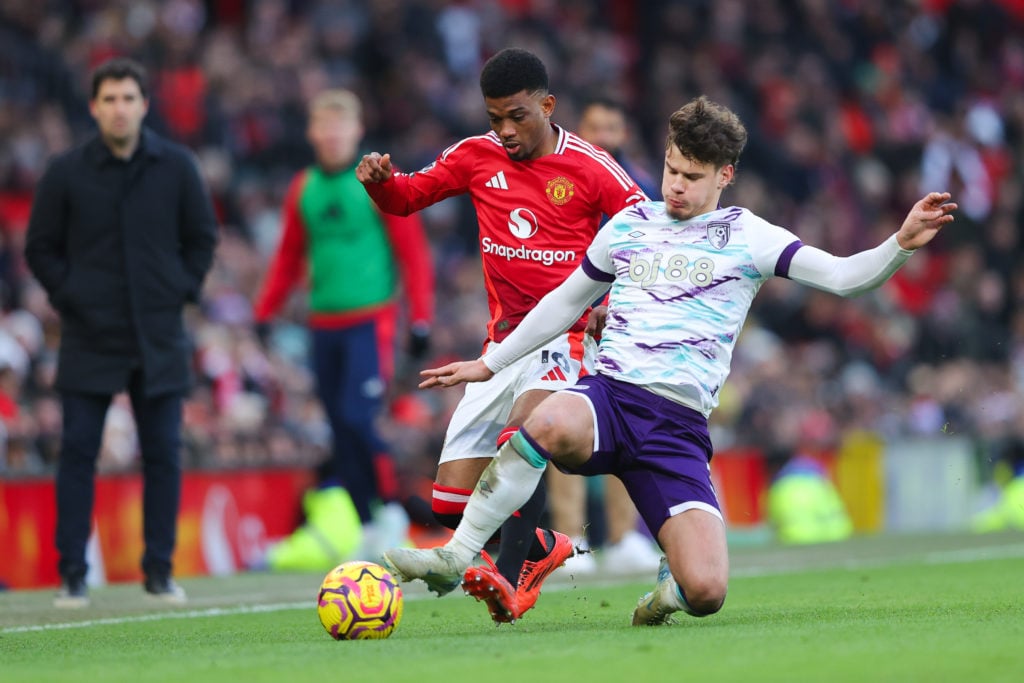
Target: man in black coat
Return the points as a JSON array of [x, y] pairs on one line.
[[121, 236]]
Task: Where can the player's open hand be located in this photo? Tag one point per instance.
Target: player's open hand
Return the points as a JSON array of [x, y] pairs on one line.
[[456, 373], [374, 168], [925, 220]]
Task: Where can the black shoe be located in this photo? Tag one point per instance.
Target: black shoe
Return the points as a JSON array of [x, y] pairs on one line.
[[164, 588], [73, 594]]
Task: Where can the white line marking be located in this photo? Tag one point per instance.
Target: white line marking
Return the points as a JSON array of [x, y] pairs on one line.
[[936, 557], [190, 614]]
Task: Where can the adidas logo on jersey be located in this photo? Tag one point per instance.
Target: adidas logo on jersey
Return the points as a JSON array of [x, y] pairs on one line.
[[497, 181], [555, 375]]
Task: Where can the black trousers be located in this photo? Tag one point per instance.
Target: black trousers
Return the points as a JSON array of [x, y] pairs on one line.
[[350, 388], [158, 422]]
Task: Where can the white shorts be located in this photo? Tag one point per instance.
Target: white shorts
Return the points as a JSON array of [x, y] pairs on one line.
[[484, 409]]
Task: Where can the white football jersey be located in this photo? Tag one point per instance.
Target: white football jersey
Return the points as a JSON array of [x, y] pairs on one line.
[[681, 293]]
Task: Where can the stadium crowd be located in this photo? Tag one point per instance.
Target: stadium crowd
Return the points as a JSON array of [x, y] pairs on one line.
[[870, 101]]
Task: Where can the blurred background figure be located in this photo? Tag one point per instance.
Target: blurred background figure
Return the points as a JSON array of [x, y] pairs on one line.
[[121, 236], [804, 505], [605, 123], [358, 260], [1008, 510]]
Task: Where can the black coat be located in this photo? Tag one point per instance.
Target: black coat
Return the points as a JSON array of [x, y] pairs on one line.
[[120, 247]]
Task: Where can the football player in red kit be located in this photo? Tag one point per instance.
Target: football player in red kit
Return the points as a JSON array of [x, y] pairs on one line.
[[539, 192]]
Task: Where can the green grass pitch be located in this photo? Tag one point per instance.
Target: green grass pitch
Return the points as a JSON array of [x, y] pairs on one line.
[[886, 608]]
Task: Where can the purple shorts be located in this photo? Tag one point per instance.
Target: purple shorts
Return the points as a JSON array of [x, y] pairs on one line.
[[660, 449]]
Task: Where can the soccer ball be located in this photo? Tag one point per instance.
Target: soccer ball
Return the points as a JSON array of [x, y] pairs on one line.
[[359, 601]]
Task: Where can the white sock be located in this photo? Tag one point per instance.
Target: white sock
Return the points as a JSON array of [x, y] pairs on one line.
[[505, 485]]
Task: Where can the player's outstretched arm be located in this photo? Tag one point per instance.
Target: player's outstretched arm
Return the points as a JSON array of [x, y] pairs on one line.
[[552, 315], [456, 373], [374, 168], [866, 270], [925, 219]]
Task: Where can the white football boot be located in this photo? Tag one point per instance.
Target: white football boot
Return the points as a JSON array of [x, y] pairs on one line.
[[436, 567]]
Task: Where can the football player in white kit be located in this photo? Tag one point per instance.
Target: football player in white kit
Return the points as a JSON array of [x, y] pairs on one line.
[[683, 274]]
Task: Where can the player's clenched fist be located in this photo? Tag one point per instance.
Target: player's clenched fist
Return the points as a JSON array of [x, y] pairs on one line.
[[374, 168]]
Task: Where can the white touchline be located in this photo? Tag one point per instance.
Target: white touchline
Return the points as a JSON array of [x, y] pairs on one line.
[[928, 557], [190, 614]]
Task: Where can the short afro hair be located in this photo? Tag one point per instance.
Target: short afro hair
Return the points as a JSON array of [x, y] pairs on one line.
[[513, 70]]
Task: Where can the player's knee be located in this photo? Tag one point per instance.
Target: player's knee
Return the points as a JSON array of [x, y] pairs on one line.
[[550, 431], [705, 595]]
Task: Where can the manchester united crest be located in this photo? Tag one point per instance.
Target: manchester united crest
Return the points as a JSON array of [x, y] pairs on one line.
[[559, 190], [718, 234]]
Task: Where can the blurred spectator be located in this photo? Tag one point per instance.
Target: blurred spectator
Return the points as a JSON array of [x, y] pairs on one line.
[[1008, 510], [804, 505], [605, 123], [358, 260]]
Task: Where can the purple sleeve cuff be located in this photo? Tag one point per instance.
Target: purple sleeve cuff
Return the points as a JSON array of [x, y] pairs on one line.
[[595, 273], [785, 258]]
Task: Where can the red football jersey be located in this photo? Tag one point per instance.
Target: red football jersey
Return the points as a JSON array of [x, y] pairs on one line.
[[536, 217]]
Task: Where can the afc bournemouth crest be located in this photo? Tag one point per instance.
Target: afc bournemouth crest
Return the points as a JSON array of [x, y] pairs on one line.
[[559, 190], [718, 234]]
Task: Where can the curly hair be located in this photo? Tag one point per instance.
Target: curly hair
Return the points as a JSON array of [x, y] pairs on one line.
[[707, 132], [513, 70]]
